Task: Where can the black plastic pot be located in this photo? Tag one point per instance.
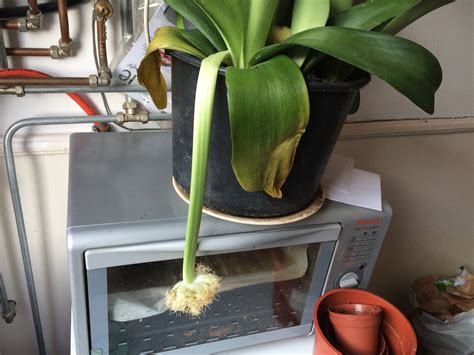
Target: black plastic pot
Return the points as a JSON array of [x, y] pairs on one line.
[[330, 105]]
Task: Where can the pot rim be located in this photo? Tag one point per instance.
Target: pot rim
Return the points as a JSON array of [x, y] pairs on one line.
[[357, 83]]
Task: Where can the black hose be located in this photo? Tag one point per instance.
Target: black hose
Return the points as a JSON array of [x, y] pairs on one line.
[[20, 11]]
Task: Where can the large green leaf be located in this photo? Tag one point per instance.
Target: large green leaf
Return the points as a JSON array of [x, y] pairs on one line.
[[199, 41], [364, 16], [307, 14], [403, 20], [340, 5], [243, 24], [204, 103], [269, 111], [149, 71], [407, 66], [368, 15], [191, 12]]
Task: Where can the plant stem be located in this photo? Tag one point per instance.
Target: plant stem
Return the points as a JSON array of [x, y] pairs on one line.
[[204, 103]]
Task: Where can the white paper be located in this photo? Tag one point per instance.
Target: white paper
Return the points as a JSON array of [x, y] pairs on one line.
[[338, 173], [126, 70], [364, 191]]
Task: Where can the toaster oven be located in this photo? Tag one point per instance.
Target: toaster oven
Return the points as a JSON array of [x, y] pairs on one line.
[[125, 235]]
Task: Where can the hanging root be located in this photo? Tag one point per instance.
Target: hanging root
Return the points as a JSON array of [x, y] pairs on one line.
[[194, 297]]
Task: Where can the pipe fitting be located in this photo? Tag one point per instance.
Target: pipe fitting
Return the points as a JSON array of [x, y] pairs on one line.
[[13, 90], [62, 50], [132, 113], [103, 10], [31, 23], [9, 315], [103, 79]]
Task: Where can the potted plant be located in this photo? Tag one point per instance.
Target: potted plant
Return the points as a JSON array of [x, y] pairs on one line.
[[281, 68]]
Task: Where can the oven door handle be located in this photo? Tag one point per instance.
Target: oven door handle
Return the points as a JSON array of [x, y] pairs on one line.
[[270, 238], [173, 249]]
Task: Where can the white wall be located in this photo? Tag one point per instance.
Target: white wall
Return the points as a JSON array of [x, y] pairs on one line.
[[435, 226]]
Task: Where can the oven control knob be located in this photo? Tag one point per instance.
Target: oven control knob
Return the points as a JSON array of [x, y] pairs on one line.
[[351, 279]]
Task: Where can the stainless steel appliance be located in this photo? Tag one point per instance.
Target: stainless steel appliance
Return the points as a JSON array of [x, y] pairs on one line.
[[126, 236]]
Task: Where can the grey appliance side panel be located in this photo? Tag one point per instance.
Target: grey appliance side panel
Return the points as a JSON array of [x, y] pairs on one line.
[[323, 261], [98, 308]]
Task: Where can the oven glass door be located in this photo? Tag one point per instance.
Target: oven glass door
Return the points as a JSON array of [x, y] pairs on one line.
[[261, 291]]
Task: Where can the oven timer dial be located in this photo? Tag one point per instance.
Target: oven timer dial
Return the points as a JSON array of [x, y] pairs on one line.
[[349, 280]]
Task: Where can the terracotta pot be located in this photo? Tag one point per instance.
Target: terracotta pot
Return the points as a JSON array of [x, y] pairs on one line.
[[356, 327], [397, 331]]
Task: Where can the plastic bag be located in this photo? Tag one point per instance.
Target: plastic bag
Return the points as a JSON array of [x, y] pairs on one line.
[[444, 317]]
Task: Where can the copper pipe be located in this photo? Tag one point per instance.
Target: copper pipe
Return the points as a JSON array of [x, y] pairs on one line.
[[44, 81], [102, 44], [10, 25], [29, 52], [34, 9], [64, 21]]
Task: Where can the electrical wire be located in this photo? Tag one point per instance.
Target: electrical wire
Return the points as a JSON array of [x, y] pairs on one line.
[[20, 11], [78, 99], [146, 25]]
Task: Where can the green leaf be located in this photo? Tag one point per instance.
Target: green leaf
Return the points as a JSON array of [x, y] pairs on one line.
[[199, 41], [149, 71], [191, 12], [179, 21], [364, 16], [204, 103], [340, 5], [243, 24], [403, 20], [307, 14], [368, 15], [279, 34], [269, 111], [407, 66]]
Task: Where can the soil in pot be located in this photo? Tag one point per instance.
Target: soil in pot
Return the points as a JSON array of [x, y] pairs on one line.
[[330, 104]]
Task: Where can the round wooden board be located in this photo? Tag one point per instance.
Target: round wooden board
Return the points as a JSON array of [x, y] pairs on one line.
[[311, 209]]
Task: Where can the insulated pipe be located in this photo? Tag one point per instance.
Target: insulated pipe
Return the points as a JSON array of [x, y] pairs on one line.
[[63, 22], [29, 52], [44, 81], [17, 208]]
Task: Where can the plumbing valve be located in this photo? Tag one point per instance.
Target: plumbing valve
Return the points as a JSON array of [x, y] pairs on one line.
[[132, 113]]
